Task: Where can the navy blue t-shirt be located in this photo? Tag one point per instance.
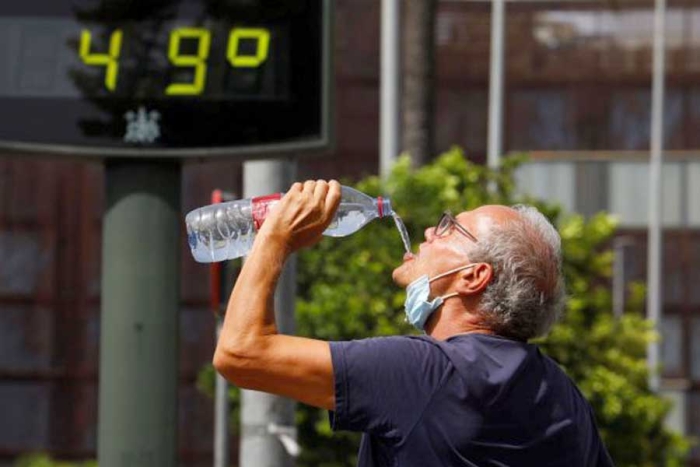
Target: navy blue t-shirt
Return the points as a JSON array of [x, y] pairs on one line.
[[473, 400]]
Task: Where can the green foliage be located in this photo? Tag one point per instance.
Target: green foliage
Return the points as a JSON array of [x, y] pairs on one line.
[[607, 356], [42, 460]]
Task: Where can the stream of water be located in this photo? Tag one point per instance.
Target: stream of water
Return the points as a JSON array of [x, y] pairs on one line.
[[404, 233]]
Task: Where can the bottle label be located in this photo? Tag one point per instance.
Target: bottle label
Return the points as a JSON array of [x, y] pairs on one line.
[[261, 205]]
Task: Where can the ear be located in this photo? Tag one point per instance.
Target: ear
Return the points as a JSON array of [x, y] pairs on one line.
[[474, 280]]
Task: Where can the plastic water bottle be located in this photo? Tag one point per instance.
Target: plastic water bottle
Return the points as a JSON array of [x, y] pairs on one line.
[[226, 230]]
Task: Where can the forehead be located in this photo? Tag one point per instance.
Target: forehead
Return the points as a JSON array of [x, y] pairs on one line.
[[480, 219]]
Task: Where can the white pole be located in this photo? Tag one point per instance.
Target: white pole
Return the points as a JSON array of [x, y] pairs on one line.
[[495, 136], [654, 299], [268, 436], [390, 86]]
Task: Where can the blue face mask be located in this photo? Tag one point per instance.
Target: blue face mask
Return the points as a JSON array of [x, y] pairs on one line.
[[417, 307]]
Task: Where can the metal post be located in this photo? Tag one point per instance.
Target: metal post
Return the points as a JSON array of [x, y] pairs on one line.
[[495, 136], [654, 299], [137, 423], [390, 85], [620, 245], [221, 414], [268, 437], [219, 285]]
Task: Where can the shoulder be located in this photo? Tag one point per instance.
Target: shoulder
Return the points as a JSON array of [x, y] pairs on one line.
[[382, 384], [407, 359], [384, 348]]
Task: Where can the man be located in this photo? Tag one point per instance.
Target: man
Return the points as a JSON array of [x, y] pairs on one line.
[[472, 391]]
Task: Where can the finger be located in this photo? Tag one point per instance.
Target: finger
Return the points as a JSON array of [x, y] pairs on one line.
[[309, 187], [333, 196], [320, 191], [296, 186]]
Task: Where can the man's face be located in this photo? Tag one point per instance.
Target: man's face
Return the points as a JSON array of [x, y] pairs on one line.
[[438, 254]]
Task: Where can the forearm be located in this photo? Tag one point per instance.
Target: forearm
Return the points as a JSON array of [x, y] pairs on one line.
[[250, 353], [250, 314]]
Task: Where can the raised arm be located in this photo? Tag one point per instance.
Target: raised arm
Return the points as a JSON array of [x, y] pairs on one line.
[[250, 352]]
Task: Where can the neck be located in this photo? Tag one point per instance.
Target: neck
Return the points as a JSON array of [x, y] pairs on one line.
[[444, 332], [453, 319]]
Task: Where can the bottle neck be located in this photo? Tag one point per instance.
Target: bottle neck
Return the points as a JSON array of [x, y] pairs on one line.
[[383, 206]]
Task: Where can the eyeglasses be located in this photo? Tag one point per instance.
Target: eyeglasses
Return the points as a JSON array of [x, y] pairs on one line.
[[448, 222]]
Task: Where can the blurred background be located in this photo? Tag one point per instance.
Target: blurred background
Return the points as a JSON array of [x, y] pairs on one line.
[[576, 98]]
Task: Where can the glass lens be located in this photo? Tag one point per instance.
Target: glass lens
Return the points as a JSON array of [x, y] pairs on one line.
[[443, 226]]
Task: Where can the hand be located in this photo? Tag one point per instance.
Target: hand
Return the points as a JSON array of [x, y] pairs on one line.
[[302, 215]]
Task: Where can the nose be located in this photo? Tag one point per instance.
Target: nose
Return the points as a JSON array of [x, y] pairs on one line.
[[429, 233]]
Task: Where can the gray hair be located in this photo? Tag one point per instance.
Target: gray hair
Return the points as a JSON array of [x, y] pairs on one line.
[[526, 294]]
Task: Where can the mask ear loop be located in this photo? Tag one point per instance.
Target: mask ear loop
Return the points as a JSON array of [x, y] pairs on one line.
[[449, 295], [451, 271]]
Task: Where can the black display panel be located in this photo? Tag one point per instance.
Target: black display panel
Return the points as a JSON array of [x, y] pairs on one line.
[[163, 77]]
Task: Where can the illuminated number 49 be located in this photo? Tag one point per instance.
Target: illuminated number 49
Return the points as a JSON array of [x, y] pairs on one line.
[[198, 61]]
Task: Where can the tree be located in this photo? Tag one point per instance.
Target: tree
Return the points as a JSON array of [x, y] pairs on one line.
[[418, 131]]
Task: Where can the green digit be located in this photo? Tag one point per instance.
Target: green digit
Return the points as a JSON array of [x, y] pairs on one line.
[[199, 61], [109, 60], [260, 35]]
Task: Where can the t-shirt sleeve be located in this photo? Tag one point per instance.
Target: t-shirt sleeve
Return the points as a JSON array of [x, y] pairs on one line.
[[382, 385]]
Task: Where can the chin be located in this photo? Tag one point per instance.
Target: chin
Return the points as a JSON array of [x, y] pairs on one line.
[[401, 275], [397, 276]]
